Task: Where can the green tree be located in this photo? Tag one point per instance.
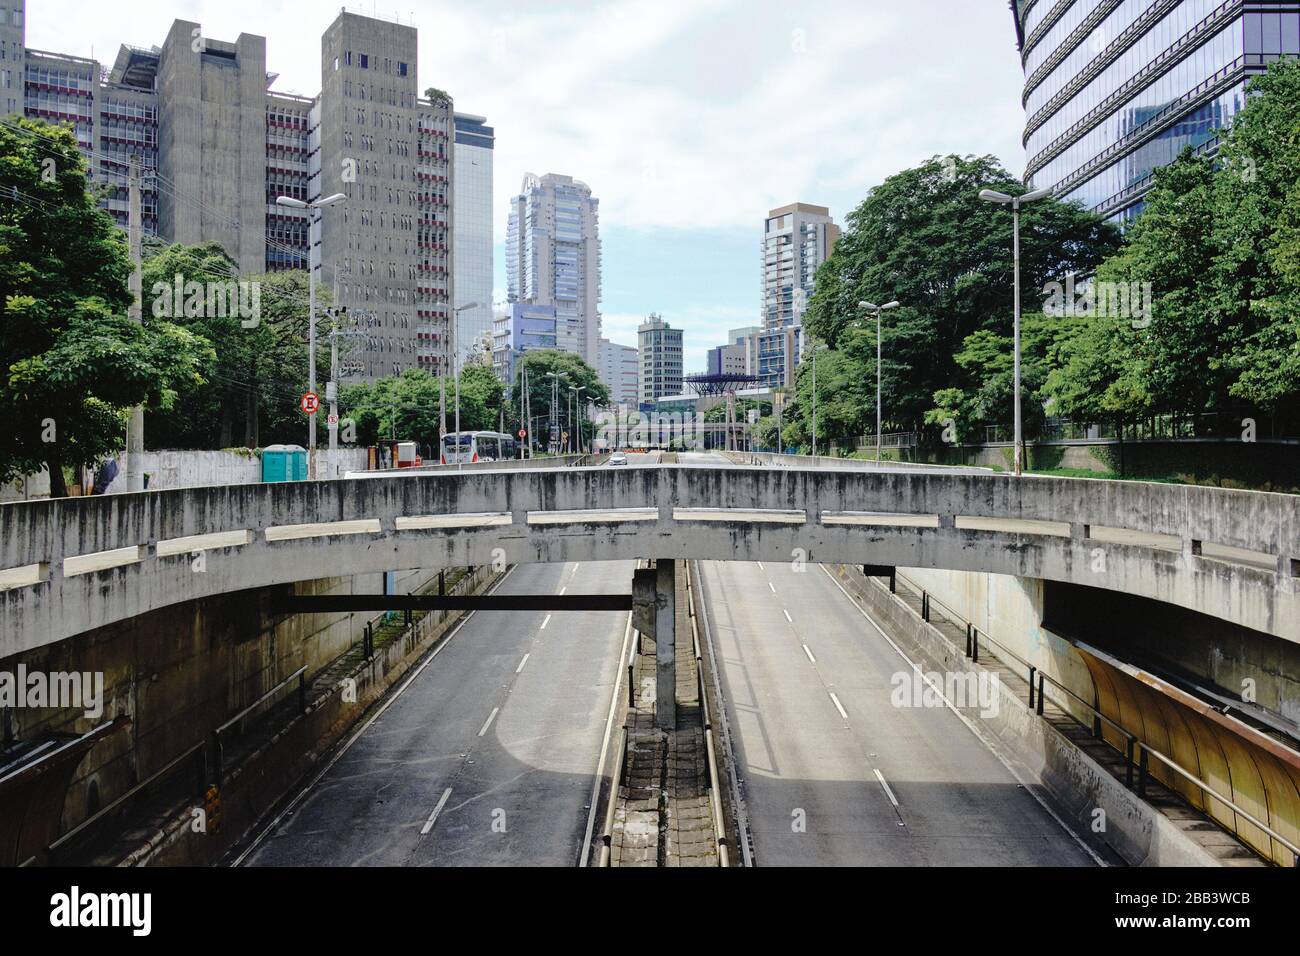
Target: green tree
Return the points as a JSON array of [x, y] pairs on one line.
[[72, 365], [925, 239], [572, 371], [1216, 244], [404, 407], [258, 370]]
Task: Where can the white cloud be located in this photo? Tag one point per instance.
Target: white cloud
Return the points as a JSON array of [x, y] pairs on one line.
[[679, 114]]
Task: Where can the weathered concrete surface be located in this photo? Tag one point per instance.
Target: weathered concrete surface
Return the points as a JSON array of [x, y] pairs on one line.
[[827, 516]]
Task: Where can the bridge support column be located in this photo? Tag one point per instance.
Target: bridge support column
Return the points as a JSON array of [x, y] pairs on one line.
[[665, 644]]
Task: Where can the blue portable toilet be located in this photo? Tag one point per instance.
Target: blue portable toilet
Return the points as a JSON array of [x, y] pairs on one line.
[[284, 463]]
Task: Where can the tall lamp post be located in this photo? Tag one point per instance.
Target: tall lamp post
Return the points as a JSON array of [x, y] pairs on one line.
[[877, 309], [551, 425], [577, 391], [812, 347], [455, 367], [312, 224], [1015, 202]]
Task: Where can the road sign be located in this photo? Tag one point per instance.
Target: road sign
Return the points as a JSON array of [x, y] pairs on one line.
[[523, 433], [333, 419], [310, 403]]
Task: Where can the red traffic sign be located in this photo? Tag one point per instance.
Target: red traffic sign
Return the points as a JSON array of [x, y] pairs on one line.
[[333, 419], [523, 433], [310, 403]]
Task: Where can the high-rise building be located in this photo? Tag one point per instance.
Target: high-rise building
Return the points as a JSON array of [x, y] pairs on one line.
[[1114, 89], [390, 152], [472, 204], [522, 328], [618, 369], [738, 356], [659, 348], [218, 147], [553, 257], [797, 239]]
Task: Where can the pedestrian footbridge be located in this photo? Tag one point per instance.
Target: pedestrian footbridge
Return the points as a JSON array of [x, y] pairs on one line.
[[74, 564]]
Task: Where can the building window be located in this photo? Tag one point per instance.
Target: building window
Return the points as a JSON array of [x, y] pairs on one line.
[[401, 68], [336, 63], [347, 57], [365, 61]]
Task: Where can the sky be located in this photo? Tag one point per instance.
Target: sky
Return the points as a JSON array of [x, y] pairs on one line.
[[688, 119]]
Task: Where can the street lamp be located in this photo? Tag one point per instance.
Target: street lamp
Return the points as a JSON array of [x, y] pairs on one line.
[[555, 389], [577, 391], [990, 195], [312, 223], [813, 348], [871, 307], [455, 367]]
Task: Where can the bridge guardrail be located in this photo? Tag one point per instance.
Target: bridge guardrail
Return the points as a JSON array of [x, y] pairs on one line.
[[1232, 553]]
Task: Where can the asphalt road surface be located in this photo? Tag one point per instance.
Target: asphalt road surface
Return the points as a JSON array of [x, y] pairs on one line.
[[833, 773], [488, 756]]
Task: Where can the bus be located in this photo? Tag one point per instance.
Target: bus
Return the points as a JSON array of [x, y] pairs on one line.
[[468, 447]]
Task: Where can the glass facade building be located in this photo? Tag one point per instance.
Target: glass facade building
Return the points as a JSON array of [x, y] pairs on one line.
[[797, 239], [1115, 89], [553, 257]]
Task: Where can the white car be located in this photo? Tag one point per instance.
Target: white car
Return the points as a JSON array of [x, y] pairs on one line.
[[618, 458]]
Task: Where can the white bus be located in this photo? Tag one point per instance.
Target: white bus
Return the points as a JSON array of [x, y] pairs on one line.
[[467, 447]]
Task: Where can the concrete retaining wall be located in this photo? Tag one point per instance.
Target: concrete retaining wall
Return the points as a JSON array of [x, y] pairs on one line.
[[180, 671]]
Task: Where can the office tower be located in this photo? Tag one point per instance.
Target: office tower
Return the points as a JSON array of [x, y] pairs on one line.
[[659, 347], [797, 239], [1114, 90], [389, 151], [218, 147], [521, 328], [553, 257], [473, 234], [618, 369]]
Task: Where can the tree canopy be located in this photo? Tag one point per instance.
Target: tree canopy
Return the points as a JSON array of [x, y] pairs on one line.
[[924, 238], [72, 364], [1218, 242]]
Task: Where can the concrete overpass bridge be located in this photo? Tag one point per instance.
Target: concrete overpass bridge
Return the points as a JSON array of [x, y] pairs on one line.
[[72, 565]]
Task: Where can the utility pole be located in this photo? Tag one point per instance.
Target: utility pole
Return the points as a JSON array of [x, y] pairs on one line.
[[135, 425], [332, 387]]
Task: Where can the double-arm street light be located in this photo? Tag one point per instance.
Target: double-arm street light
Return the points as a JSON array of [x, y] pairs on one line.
[[312, 223], [877, 309], [1015, 202]]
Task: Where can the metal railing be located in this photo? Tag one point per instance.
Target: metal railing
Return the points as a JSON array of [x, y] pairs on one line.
[[715, 792], [218, 748], [1135, 750]]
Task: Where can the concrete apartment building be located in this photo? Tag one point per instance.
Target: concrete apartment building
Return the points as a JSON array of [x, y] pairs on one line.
[[738, 356], [659, 348], [472, 213], [619, 369], [797, 239], [218, 146], [553, 257]]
